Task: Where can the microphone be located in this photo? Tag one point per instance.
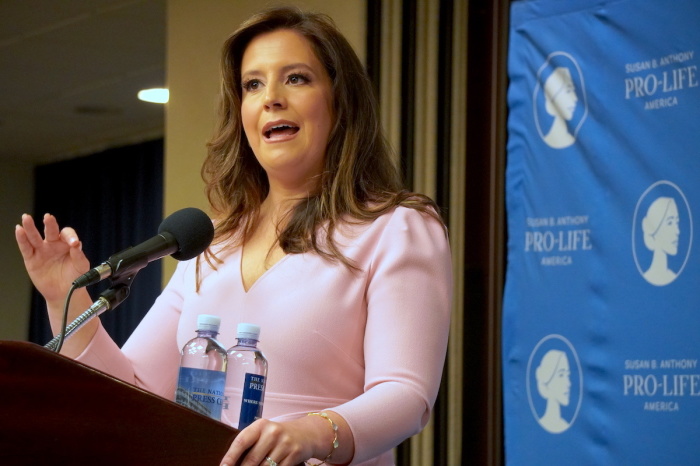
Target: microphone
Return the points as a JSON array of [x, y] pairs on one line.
[[184, 235]]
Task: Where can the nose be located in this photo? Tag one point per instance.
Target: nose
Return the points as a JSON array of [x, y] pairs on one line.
[[274, 97]]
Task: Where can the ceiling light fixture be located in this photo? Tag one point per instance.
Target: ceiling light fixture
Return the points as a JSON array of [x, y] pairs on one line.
[[157, 96]]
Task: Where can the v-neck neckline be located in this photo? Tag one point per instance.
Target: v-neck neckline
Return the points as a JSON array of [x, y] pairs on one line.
[[262, 276]]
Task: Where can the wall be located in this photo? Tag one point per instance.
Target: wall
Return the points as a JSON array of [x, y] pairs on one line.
[[16, 198]]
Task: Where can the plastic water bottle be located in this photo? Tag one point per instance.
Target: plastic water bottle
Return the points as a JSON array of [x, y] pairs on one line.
[[245, 379], [202, 377]]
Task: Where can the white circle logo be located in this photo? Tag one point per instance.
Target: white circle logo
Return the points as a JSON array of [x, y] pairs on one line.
[[559, 100], [662, 233], [555, 372]]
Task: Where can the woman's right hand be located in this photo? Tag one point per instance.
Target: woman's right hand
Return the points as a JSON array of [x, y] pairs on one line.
[[54, 261]]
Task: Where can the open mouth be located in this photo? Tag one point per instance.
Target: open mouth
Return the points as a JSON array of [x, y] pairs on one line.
[[280, 131]]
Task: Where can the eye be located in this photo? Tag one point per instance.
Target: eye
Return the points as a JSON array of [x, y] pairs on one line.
[[251, 85], [298, 78]]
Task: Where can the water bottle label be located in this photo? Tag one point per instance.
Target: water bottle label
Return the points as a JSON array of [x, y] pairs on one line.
[[201, 390], [252, 402]]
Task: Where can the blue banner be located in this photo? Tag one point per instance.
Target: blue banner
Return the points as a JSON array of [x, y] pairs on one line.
[[601, 314]]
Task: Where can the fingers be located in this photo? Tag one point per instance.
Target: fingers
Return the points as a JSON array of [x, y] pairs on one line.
[[51, 228], [243, 441], [71, 237], [32, 235], [27, 236], [80, 262], [277, 446], [52, 233], [261, 440], [30, 240], [28, 232], [25, 247]]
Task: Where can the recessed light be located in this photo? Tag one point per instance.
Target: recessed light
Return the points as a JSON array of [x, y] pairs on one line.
[[156, 95]]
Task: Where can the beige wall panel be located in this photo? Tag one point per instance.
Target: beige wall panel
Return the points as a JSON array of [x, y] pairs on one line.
[[16, 198]]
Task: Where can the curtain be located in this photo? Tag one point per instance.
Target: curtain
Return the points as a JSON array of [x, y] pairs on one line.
[[114, 200], [439, 70]]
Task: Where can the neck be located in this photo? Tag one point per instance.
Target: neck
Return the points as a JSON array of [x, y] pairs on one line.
[[559, 126], [282, 197], [553, 410], [659, 261]]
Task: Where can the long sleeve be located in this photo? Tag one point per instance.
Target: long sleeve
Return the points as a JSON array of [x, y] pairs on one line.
[[408, 312], [368, 343], [151, 357]]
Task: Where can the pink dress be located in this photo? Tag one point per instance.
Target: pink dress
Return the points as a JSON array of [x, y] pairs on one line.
[[368, 344]]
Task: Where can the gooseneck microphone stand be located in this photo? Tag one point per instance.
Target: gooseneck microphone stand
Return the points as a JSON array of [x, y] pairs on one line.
[[109, 299]]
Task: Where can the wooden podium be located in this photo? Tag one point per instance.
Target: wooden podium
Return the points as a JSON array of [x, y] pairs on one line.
[[54, 410]]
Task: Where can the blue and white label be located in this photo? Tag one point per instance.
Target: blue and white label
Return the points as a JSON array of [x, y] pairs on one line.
[[252, 401], [201, 390]]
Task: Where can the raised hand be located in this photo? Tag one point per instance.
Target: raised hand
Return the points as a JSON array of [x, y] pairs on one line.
[[52, 261]]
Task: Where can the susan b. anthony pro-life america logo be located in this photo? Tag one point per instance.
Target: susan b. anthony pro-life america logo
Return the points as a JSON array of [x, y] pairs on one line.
[[554, 384], [662, 233], [559, 100]]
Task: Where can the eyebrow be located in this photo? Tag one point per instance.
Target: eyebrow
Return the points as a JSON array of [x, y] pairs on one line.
[[284, 69]]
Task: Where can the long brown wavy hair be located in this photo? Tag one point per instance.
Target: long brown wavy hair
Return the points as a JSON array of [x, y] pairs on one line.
[[359, 182]]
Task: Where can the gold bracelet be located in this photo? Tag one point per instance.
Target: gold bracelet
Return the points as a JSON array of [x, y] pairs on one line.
[[334, 426]]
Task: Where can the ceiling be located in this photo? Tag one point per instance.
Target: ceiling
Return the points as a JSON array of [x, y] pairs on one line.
[[69, 74]]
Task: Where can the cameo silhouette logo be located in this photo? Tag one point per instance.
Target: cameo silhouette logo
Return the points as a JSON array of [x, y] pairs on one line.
[[662, 233], [554, 384], [559, 100]]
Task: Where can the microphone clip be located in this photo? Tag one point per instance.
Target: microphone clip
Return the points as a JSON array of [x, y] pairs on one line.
[[109, 299]]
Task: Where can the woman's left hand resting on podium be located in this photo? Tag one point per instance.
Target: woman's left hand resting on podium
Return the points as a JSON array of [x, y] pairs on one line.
[[53, 262]]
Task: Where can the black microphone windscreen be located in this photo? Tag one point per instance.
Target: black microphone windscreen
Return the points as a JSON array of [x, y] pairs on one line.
[[192, 229]]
